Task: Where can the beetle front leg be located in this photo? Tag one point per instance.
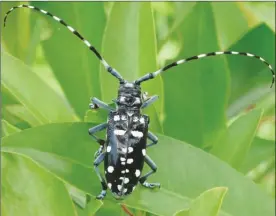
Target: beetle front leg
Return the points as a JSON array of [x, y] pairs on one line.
[[152, 138], [143, 179], [92, 131], [97, 162], [96, 103], [149, 101]]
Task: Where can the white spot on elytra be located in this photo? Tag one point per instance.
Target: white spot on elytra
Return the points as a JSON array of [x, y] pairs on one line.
[[122, 159], [144, 152], [123, 117], [123, 171], [127, 170], [124, 150], [116, 118], [123, 163], [126, 180], [129, 161], [142, 120], [137, 173], [121, 178], [109, 185], [110, 169], [108, 149], [119, 132], [130, 149], [125, 190], [119, 187], [137, 134]]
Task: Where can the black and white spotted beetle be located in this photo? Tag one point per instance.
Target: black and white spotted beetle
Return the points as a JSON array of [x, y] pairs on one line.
[[124, 150]]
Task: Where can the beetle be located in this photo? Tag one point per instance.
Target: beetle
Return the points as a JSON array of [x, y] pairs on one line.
[[127, 129]]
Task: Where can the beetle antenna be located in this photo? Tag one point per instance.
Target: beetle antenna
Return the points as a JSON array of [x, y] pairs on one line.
[[92, 48], [154, 74]]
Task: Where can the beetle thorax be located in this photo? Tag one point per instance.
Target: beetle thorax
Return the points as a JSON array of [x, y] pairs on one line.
[[129, 97]]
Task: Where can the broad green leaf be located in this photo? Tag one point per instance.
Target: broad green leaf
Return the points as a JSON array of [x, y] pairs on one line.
[[260, 151], [33, 93], [28, 190], [66, 150], [235, 143], [8, 129], [23, 113], [207, 204], [230, 23], [249, 73], [83, 207], [196, 92], [74, 65], [129, 45], [16, 35], [257, 12]]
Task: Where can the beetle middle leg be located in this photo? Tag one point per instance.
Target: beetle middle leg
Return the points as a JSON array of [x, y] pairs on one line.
[[143, 179], [92, 131], [96, 103], [97, 162], [152, 138]]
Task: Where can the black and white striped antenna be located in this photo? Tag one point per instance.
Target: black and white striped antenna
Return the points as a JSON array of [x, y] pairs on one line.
[[154, 74], [86, 42]]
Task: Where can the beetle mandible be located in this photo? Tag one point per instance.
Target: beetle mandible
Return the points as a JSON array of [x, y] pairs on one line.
[[124, 150]]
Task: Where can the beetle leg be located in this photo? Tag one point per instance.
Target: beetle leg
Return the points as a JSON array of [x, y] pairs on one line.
[[149, 101], [152, 138], [92, 131], [143, 179], [96, 103], [97, 162]]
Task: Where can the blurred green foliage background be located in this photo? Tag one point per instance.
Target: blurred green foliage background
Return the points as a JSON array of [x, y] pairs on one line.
[[215, 117]]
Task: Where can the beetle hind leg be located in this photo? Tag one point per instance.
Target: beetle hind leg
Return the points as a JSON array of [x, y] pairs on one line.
[[97, 162], [143, 179]]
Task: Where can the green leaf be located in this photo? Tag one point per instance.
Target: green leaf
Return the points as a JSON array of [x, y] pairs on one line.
[[74, 65], [33, 93], [207, 204], [8, 129], [23, 114], [138, 32], [28, 190], [80, 199], [66, 150], [250, 73], [235, 143], [260, 151], [258, 12], [196, 92], [230, 23], [16, 35]]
